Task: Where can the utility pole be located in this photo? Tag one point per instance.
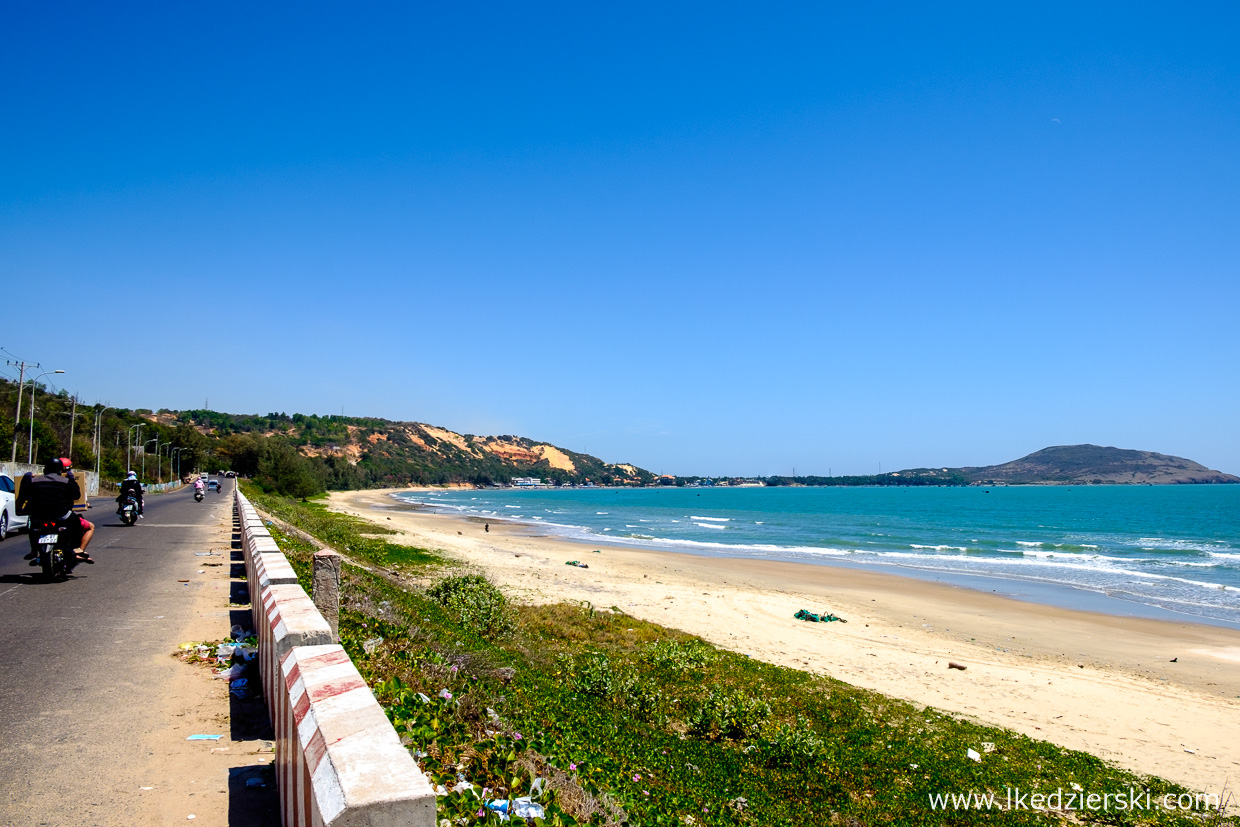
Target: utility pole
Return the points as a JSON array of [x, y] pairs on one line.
[[72, 422], [21, 383]]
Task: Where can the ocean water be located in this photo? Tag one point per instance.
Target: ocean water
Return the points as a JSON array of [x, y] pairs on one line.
[[1172, 548]]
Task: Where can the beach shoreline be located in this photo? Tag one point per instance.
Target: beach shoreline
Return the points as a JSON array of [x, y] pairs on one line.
[[1106, 684]]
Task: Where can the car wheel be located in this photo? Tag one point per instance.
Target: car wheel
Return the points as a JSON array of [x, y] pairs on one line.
[[4, 524]]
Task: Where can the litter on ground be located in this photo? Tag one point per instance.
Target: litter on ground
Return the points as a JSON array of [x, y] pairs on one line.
[[817, 618], [577, 563]]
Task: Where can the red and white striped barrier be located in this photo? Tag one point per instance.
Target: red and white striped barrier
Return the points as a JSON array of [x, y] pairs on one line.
[[285, 617], [338, 760], [339, 763]]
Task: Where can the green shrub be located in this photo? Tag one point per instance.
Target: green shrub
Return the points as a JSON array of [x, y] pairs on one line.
[[678, 656], [594, 674], [475, 603], [728, 714], [791, 744]]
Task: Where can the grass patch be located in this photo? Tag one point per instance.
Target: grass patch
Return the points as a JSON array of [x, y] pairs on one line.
[[627, 722], [347, 534]]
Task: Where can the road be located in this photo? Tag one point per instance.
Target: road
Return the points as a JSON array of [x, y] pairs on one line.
[[94, 709]]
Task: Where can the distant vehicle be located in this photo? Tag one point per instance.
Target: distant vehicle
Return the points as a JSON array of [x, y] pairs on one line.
[[213, 485], [230, 474], [9, 521]]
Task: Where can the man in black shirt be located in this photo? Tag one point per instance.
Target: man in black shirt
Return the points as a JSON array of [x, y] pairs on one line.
[[50, 497]]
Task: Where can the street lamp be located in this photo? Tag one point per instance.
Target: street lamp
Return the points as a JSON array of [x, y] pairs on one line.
[[98, 445], [176, 452], [129, 445], [33, 388], [148, 442]]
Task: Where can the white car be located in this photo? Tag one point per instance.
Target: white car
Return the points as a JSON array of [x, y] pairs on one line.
[[9, 521]]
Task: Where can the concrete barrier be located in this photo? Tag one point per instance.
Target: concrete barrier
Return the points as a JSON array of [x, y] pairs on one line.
[[339, 762]]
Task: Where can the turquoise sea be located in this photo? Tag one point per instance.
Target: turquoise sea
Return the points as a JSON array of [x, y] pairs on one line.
[[1167, 548]]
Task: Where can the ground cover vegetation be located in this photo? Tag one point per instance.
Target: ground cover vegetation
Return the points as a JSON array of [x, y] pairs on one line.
[[607, 719]]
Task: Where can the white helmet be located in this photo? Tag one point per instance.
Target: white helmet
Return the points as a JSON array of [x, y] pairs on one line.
[[131, 476]]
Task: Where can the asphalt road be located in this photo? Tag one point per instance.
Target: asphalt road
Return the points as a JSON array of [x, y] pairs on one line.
[[89, 694]]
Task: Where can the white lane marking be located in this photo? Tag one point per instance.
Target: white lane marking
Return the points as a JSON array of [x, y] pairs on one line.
[[6, 591]]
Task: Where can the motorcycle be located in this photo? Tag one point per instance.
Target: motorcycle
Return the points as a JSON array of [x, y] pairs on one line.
[[129, 511], [52, 551], [198, 495]]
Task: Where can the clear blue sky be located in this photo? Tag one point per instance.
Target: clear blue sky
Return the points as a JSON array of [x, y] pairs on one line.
[[711, 238]]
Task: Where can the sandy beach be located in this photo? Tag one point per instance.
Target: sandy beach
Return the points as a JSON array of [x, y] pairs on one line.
[[1151, 696]]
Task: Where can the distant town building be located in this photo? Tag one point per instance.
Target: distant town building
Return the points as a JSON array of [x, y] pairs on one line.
[[526, 482]]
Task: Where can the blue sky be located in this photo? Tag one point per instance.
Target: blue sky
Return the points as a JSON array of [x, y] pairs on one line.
[[714, 238]]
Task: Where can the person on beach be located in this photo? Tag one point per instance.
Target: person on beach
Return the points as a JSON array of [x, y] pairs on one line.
[[486, 527]]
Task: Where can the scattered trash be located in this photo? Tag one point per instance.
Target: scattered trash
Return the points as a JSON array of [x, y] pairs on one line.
[[988, 746], [255, 782], [1190, 751], [975, 755], [577, 563], [816, 618], [231, 673], [238, 688], [146, 788], [445, 694], [1173, 660], [204, 737], [499, 807], [525, 808], [951, 664], [190, 817], [182, 581], [238, 633], [371, 645], [596, 551], [224, 652]]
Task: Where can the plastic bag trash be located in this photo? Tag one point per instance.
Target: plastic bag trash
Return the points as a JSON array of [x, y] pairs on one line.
[[525, 808], [423, 698], [255, 782], [204, 737], [224, 651], [239, 633], [371, 645], [500, 808], [230, 673], [975, 755], [239, 687], [243, 651]]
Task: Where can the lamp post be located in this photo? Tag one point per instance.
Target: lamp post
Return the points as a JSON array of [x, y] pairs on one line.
[[129, 445], [148, 442], [33, 388], [176, 452], [98, 445]]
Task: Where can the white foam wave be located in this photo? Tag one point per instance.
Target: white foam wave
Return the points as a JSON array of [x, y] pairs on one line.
[[711, 519], [939, 548], [710, 525]]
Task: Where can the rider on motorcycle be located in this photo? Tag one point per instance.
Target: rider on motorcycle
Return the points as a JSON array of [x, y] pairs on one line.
[[199, 485], [50, 497], [130, 488]]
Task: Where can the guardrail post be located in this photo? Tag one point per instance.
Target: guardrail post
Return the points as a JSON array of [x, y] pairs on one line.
[[327, 589]]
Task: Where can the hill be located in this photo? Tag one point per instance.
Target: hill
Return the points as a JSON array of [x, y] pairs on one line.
[[364, 452], [1084, 465]]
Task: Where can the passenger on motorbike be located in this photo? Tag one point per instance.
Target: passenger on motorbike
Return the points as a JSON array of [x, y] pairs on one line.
[[130, 488], [50, 497]]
